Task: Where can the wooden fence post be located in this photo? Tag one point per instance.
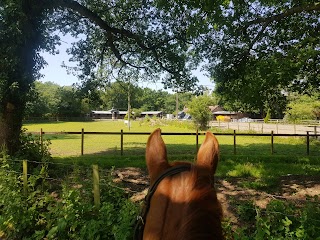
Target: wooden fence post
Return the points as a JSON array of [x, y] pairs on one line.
[[308, 143], [82, 141], [41, 139], [121, 142], [25, 176], [234, 142], [96, 185], [197, 140], [272, 142]]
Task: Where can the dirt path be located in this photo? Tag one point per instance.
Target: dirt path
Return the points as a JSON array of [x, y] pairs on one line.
[[292, 188]]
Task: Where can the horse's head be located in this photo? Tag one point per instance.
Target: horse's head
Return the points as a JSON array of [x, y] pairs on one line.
[[182, 202]]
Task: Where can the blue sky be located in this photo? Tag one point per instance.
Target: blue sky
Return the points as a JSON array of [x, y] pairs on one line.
[[55, 73]]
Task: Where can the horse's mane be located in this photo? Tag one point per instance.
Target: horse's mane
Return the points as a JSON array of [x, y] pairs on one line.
[[203, 219]]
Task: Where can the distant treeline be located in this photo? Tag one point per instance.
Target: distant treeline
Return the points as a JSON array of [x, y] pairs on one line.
[[49, 100]]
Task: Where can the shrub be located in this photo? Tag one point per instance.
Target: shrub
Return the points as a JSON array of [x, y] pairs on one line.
[[279, 220], [200, 112], [126, 116], [32, 148], [66, 214], [137, 113], [267, 118]]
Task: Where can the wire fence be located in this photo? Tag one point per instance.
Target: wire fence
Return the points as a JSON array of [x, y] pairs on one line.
[[97, 182]]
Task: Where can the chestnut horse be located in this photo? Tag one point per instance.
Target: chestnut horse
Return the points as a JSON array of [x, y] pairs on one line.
[[182, 202]]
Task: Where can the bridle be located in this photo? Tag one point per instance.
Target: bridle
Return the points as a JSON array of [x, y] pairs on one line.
[[141, 219]]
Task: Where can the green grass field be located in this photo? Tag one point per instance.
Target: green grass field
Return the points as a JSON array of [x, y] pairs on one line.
[[64, 145], [253, 158]]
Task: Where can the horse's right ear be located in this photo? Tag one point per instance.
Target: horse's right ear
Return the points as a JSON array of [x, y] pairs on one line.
[[208, 155], [156, 155]]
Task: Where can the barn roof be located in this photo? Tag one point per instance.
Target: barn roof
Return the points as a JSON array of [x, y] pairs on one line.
[[151, 112]]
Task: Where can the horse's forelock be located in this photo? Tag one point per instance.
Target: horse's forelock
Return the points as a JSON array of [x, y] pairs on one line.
[[203, 220]]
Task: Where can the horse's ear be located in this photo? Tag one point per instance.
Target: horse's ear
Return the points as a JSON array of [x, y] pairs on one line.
[[208, 155], [156, 155]]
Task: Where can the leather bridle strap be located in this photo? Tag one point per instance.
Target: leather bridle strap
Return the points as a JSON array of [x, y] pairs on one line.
[[141, 219]]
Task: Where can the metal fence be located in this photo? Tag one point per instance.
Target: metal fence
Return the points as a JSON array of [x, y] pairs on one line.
[[278, 127]]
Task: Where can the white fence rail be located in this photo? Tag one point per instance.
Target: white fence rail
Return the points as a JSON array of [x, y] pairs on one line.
[[276, 127]]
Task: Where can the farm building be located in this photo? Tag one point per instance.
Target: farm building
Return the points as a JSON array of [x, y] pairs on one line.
[[116, 114], [228, 116], [219, 111], [216, 108], [158, 114], [110, 114]]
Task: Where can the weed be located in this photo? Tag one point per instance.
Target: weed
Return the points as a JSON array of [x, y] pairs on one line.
[[279, 220], [246, 170]]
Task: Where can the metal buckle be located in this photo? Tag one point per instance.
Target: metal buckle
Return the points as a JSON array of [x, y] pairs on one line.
[[139, 218]]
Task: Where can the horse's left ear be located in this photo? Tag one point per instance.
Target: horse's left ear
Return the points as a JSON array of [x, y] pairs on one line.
[[156, 155], [208, 155]]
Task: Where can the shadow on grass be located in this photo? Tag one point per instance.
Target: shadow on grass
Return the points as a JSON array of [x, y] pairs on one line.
[[61, 136], [51, 122], [265, 149], [254, 160]]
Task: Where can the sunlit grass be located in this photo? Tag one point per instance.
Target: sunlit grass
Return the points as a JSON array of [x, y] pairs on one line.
[[246, 170], [70, 145], [252, 162]]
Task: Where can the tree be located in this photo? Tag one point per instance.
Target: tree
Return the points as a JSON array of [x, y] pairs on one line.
[[21, 37], [117, 33], [183, 100], [198, 108], [69, 105], [44, 102], [116, 96], [52, 100], [253, 48], [256, 50], [153, 100], [303, 107], [259, 50]]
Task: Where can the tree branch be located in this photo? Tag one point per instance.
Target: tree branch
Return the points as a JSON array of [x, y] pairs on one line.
[[110, 31], [266, 21], [289, 12]]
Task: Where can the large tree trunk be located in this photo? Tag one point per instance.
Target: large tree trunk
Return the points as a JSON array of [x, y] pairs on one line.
[[10, 126], [21, 38]]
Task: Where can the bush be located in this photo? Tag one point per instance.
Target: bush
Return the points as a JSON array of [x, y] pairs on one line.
[[198, 108], [267, 117], [131, 116], [137, 113], [32, 148], [280, 220], [68, 213]]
